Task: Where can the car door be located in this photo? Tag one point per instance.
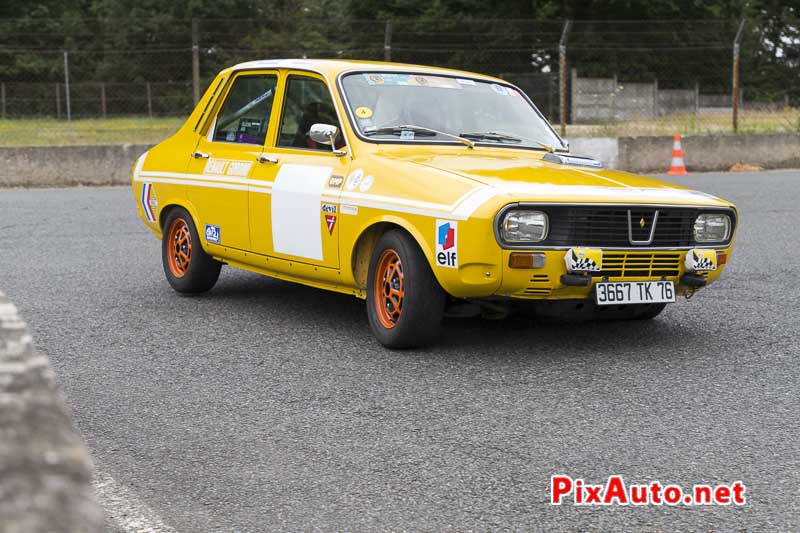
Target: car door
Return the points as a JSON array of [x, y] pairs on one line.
[[225, 156], [298, 218]]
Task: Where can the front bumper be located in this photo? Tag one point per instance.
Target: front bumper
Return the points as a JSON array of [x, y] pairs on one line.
[[552, 281]]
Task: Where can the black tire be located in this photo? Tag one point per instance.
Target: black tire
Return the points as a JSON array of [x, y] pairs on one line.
[[416, 321], [189, 269]]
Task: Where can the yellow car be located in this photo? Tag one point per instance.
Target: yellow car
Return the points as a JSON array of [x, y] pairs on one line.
[[420, 190]]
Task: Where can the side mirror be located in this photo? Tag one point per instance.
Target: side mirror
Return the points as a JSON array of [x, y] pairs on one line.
[[325, 134]]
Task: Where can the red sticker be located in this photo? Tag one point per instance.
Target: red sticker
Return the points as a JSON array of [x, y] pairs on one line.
[[331, 221]]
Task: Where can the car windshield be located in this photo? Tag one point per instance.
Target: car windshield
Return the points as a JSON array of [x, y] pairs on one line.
[[425, 108]]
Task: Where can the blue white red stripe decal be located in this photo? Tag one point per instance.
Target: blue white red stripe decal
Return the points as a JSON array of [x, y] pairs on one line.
[[147, 190]]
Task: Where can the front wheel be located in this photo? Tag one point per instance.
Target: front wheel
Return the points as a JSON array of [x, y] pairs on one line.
[[405, 303], [187, 266]]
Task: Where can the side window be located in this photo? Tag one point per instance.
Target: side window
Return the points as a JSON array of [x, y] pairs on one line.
[[244, 115], [307, 102]]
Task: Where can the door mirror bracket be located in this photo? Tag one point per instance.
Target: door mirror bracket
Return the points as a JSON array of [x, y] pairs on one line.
[[326, 134]]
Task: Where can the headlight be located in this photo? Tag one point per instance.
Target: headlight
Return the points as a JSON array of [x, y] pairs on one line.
[[712, 227], [523, 226]]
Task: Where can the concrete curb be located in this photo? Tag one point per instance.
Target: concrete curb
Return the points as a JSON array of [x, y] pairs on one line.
[[67, 166], [703, 153], [45, 472]]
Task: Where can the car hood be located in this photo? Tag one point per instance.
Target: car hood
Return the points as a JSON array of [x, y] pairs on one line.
[[525, 177]]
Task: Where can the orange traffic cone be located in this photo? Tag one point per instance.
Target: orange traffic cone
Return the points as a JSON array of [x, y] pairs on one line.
[[677, 167]]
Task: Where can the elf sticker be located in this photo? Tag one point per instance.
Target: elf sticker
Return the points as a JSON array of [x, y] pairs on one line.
[[447, 243]]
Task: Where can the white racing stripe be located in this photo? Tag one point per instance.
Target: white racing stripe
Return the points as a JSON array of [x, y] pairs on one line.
[[139, 164], [473, 201], [210, 185], [206, 177], [125, 509], [402, 209], [461, 209], [595, 175]]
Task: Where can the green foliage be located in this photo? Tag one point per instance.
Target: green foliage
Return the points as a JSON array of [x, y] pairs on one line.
[[137, 41]]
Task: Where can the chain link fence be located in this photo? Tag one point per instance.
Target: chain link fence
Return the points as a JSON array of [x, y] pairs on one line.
[[133, 80]]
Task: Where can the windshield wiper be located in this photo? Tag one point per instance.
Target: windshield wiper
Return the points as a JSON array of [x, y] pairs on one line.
[[421, 130], [504, 137], [491, 136]]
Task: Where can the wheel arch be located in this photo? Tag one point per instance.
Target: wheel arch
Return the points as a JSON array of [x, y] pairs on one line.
[[368, 238], [164, 212]]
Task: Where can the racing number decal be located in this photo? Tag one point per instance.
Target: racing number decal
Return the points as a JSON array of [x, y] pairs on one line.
[[296, 198]]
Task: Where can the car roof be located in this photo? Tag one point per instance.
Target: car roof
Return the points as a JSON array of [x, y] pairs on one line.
[[333, 67]]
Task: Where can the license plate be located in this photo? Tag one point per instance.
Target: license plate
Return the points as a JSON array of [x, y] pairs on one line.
[[634, 292]]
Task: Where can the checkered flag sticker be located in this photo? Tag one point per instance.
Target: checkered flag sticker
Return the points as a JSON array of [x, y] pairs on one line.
[[702, 261], [582, 263]]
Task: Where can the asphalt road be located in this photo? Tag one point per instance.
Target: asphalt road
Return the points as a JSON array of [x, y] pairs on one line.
[[265, 405]]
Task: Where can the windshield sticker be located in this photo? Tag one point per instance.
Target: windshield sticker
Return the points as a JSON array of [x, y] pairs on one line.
[[406, 135], [437, 81], [465, 82], [354, 179], [367, 183], [499, 89], [364, 112], [417, 80]]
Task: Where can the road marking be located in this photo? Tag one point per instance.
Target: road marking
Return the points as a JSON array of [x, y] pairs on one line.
[[125, 509]]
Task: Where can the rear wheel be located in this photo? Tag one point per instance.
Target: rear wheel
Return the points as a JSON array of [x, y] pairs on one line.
[[405, 303], [187, 267]]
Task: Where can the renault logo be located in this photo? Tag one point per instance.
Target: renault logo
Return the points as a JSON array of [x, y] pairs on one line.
[[642, 225]]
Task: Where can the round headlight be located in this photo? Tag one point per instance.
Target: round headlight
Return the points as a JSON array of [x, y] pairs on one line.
[[712, 227], [522, 226]]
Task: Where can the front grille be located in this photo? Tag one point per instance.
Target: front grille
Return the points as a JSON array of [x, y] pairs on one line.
[[639, 264], [540, 286], [608, 226]]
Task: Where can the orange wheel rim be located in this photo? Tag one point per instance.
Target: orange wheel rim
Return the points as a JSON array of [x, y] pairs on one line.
[[179, 248], [389, 288]]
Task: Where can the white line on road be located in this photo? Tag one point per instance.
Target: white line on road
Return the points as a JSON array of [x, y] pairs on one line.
[[125, 509]]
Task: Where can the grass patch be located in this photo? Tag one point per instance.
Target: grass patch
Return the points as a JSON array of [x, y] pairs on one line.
[[142, 130], [52, 132]]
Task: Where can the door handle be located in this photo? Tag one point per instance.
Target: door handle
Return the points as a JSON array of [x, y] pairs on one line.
[[266, 159], [200, 155]]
